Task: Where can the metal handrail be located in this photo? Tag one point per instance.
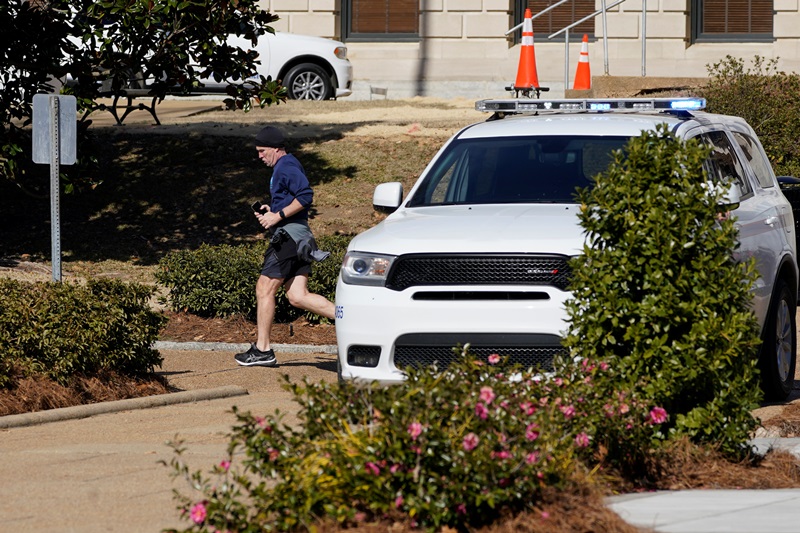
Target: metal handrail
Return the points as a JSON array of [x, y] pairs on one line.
[[537, 15], [600, 11]]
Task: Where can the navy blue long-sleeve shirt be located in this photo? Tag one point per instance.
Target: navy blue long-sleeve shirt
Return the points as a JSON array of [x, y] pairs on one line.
[[289, 182]]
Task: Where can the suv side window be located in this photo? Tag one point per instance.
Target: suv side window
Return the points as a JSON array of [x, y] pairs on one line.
[[757, 159], [723, 162]]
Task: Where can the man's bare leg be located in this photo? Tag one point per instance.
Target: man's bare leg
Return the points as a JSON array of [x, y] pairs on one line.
[[297, 292], [266, 289]]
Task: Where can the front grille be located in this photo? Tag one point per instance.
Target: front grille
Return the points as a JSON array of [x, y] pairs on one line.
[[461, 269], [530, 351]]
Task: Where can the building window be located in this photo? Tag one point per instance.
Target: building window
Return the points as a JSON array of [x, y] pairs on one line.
[[380, 20], [558, 18], [731, 20]]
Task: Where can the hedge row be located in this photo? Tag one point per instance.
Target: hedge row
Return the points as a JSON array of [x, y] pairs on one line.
[[65, 329], [219, 281]]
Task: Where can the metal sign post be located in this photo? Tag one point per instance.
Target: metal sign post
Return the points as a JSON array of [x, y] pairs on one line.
[[54, 142]]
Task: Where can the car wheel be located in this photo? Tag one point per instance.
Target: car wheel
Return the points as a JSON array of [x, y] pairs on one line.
[[779, 349], [308, 82]]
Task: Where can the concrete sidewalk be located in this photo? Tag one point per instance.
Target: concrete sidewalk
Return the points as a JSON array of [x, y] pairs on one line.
[[101, 472]]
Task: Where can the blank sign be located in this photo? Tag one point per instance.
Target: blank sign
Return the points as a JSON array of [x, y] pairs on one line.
[[67, 128]]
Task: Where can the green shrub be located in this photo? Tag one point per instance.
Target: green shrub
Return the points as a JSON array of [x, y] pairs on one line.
[[767, 98], [220, 280], [658, 295], [212, 280], [460, 447], [64, 329]]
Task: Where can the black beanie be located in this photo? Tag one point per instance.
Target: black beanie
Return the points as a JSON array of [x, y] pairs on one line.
[[271, 137]]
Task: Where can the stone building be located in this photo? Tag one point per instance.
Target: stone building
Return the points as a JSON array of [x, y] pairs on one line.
[[462, 48]]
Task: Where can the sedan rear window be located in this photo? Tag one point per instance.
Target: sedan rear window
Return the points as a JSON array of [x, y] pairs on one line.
[[541, 169]]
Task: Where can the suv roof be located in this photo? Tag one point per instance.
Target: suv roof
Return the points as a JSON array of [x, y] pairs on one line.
[[613, 116]]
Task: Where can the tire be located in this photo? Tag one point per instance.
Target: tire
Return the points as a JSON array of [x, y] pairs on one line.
[[308, 81], [779, 349]]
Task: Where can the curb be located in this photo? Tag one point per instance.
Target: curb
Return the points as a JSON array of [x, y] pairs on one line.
[[241, 347], [762, 445], [85, 411]]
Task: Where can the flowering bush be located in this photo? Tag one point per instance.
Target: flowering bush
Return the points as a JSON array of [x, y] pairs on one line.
[[457, 448]]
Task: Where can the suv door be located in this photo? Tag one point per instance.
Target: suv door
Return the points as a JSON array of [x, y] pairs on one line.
[[757, 217]]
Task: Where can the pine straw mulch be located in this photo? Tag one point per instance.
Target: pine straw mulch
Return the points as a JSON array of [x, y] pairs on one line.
[[40, 393], [185, 327]]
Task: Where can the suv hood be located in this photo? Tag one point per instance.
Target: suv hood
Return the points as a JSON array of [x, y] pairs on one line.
[[523, 228]]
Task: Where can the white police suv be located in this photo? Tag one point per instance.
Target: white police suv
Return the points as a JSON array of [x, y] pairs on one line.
[[478, 251]]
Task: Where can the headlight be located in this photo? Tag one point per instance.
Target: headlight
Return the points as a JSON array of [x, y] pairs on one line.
[[362, 268], [340, 52]]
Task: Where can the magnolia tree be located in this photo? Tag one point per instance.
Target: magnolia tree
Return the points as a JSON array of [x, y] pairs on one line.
[[109, 46]]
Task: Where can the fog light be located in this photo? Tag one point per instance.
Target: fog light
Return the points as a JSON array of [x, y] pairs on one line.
[[367, 356]]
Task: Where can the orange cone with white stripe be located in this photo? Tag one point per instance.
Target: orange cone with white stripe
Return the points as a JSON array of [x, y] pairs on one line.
[[583, 76], [526, 72]]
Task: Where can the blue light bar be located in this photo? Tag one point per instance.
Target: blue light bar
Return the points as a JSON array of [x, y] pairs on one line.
[[698, 103], [609, 105]]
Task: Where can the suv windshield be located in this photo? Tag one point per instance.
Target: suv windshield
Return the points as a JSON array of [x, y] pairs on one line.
[[541, 169]]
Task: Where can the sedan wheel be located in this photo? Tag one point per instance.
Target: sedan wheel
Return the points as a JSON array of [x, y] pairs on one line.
[[308, 82]]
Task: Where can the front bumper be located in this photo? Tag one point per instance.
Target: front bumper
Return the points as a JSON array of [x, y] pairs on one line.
[[376, 320]]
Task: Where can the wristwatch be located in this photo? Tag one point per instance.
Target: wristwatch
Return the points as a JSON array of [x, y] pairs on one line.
[[282, 214]]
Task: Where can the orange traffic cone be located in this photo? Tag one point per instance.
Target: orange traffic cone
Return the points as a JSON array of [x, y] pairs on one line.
[[527, 78], [583, 77]]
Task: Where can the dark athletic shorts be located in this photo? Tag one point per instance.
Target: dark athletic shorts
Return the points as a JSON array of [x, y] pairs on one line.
[[281, 261]]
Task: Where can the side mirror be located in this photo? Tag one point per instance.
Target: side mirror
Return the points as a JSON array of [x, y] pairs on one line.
[[387, 197], [788, 181], [732, 198]]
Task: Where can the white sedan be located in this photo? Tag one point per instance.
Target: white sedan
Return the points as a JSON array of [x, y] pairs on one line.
[[311, 68]]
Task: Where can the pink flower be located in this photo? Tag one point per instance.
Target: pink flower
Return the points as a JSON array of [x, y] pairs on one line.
[[502, 455], [581, 440], [494, 359], [461, 509], [623, 408], [486, 395], [568, 410], [414, 429], [532, 458], [658, 415], [470, 442], [545, 515], [198, 513], [225, 465], [394, 469], [398, 502], [603, 366], [531, 433], [372, 467], [481, 411], [273, 454], [360, 517]]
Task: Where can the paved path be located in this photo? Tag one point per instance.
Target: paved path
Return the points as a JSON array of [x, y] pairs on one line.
[[101, 473]]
